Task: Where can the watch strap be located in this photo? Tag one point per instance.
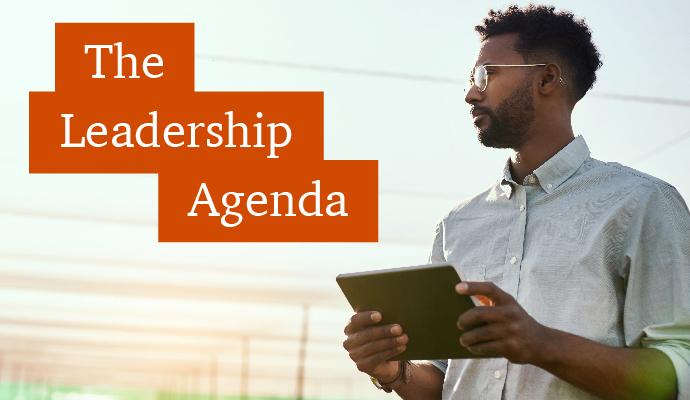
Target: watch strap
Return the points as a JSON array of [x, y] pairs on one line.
[[402, 378]]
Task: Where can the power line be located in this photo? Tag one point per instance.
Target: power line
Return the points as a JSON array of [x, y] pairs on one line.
[[166, 266], [414, 77], [179, 290], [216, 334], [643, 99], [120, 220], [70, 216], [662, 147], [148, 222], [328, 68]]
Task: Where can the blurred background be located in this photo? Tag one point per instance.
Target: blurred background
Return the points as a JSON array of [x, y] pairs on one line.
[[93, 308]]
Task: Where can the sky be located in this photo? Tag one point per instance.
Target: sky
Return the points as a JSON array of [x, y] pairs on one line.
[[80, 266]]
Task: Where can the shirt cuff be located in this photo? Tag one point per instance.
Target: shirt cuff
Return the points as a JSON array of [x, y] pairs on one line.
[[442, 365], [679, 353]]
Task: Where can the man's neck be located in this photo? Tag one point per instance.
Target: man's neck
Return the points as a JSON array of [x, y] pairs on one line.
[[537, 150]]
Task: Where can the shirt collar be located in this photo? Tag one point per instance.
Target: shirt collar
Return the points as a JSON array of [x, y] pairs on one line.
[[555, 170], [507, 183]]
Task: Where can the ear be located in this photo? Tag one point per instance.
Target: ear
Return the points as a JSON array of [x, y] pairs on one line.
[[550, 79]]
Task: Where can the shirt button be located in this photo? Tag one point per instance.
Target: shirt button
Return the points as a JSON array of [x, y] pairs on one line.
[[513, 260], [497, 374], [522, 207], [550, 186]]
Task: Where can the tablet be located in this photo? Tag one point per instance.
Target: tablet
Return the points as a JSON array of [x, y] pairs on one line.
[[422, 299]]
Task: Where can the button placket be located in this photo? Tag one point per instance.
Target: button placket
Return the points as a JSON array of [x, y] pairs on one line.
[[515, 244], [497, 370]]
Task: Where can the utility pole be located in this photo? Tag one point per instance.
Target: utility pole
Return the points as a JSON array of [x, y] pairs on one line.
[[244, 383], [213, 376], [302, 352]]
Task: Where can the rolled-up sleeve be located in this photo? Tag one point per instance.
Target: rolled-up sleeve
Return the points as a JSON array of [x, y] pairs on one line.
[[657, 270], [436, 255]]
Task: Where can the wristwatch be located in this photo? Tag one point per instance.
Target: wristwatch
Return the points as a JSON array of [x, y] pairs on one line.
[[402, 378]]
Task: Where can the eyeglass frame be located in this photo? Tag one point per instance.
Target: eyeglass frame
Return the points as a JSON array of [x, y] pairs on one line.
[[486, 73]]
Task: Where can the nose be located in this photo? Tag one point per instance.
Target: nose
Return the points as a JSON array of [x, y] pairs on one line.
[[473, 95]]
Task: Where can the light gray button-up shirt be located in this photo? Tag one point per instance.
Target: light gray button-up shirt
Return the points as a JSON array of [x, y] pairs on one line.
[[593, 248]]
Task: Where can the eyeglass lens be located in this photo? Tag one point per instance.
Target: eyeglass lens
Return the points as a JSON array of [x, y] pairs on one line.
[[480, 78]]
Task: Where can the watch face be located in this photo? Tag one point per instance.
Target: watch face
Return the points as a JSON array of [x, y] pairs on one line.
[[379, 386]]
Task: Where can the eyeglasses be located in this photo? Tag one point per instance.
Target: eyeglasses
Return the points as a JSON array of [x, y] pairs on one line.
[[480, 77]]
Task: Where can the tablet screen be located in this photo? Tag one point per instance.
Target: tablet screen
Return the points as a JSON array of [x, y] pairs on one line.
[[422, 299]]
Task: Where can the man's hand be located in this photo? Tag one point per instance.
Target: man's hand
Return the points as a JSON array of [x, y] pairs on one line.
[[501, 330], [371, 346]]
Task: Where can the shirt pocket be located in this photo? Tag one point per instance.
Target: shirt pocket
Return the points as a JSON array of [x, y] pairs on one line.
[[472, 272]]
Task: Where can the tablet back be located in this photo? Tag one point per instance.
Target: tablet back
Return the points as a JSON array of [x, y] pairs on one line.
[[422, 299]]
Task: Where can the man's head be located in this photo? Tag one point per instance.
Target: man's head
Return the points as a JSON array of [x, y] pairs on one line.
[[517, 95]]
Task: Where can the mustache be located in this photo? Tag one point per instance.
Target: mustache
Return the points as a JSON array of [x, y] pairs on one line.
[[479, 110]]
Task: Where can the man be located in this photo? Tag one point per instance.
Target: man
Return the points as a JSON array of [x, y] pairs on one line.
[[587, 263]]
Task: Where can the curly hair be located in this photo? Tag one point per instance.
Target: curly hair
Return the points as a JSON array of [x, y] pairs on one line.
[[544, 32]]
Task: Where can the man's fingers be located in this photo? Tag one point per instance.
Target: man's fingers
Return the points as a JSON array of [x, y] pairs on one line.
[[377, 346], [495, 348], [482, 315], [361, 320], [482, 334], [371, 334], [370, 363], [488, 289]]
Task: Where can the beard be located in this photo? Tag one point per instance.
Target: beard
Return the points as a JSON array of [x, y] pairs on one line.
[[508, 126]]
